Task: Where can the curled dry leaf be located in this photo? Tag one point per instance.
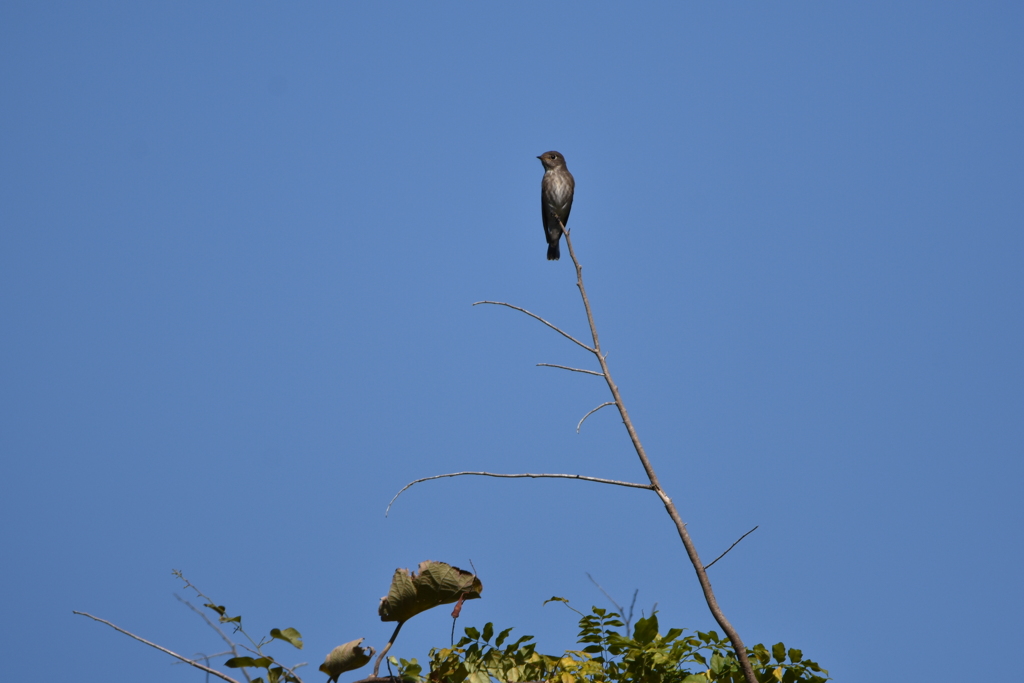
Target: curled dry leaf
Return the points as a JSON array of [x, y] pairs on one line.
[[437, 583], [346, 658]]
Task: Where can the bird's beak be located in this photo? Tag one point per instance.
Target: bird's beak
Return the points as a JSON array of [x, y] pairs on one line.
[[540, 156]]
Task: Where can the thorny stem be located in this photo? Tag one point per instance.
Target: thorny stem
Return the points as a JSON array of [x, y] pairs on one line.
[[670, 507]]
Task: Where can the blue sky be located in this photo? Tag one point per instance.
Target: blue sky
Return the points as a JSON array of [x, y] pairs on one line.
[[239, 244]]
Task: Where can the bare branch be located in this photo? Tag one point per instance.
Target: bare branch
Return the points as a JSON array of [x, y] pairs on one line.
[[162, 649], [691, 550], [566, 367], [537, 317], [521, 476], [730, 547], [609, 403]]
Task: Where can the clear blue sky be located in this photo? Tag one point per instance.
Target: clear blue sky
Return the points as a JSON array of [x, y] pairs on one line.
[[239, 244]]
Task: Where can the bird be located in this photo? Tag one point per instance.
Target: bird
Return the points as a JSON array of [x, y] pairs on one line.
[[556, 189]]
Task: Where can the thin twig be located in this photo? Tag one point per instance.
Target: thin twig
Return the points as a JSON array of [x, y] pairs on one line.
[[566, 367], [632, 604], [691, 550], [622, 610], [581, 477], [606, 594], [162, 649], [730, 547], [537, 317], [208, 623], [609, 403], [231, 644]]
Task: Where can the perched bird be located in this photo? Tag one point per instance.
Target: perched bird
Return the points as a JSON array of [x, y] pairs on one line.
[[556, 190]]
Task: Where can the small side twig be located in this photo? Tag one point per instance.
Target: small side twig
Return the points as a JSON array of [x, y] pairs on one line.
[[730, 547], [566, 367], [162, 649], [537, 317], [581, 477], [608, 403]]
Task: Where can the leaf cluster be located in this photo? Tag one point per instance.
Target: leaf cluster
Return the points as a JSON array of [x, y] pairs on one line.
[[610, 654]]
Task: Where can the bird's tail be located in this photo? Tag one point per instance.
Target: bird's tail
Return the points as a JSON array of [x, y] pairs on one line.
[[553, 251]]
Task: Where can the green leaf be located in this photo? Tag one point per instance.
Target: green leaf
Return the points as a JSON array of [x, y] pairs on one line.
[[289, 635], [239, 662], [554, 598], [437, 583], [472, 632], [779, 652], [501, 637], [346, 658], [488, 631], [646, 630], [696, 678], [717, 663], [795, 655]]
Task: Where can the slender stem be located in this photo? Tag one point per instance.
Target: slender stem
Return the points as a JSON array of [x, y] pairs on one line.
[[380, 657], [684, 535]]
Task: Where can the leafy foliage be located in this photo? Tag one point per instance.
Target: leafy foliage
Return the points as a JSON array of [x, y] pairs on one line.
[[609, 654]]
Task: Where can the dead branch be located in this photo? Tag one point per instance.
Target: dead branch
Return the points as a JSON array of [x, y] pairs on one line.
[[519, 476], [162, 649]]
